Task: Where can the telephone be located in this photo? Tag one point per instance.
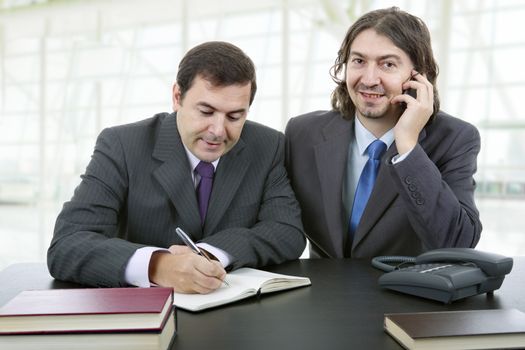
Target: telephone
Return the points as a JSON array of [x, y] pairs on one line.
[[410, 92], [446, 274]]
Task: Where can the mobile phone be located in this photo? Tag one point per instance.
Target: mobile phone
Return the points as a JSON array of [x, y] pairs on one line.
[[411, 92]]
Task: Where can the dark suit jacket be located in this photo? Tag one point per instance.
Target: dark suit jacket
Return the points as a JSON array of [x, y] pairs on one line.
[[137, 189], [424, 202]]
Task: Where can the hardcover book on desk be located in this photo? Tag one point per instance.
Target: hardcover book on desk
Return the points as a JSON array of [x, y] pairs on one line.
[[94, 318], [473, 329]]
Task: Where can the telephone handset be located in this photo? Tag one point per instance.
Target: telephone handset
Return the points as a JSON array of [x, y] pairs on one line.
[[446, 274]]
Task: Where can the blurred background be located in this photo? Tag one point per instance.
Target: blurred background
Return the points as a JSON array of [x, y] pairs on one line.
[[70, 68]]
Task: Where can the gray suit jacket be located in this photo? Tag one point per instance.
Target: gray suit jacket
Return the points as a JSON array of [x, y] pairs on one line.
[[138, 188], [424, 202]]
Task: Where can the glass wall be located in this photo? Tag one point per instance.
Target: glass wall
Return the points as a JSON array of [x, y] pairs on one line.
[[70, 68]]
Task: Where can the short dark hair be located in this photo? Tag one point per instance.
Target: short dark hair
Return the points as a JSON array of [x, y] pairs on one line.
[[218, 62], [407, 32]]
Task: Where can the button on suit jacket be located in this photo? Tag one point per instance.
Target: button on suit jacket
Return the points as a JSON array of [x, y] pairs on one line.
[[138, 188], [424, 202]]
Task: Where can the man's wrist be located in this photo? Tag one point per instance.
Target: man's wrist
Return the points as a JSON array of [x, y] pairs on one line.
[[155, 265]]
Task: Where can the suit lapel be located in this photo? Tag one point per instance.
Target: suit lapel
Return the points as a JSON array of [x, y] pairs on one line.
[[228, 177], [174, 175], [332, 154]]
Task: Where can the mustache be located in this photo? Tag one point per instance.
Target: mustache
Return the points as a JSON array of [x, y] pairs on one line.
[[212, 138], [377, 89]]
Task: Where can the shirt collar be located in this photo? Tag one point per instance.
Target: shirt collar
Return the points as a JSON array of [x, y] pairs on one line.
[[364, 137], [194, 161]]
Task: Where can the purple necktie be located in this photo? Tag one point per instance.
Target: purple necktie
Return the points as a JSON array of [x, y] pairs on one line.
[[366, 183], [205, 170]]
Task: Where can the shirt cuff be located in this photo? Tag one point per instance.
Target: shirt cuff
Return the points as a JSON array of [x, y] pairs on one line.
[[224, 258], [137, 269], [398, 158]]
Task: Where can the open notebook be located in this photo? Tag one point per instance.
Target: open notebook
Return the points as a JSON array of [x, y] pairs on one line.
[[243, 283]]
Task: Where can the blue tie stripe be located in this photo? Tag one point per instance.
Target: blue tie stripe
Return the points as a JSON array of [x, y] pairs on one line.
[[366, 183]]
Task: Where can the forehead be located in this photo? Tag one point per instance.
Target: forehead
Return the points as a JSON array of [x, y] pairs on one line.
[[371, 44], [228, 97]]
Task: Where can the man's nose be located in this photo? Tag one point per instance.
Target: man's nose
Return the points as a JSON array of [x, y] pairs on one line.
[[371, 76], [216, 126]]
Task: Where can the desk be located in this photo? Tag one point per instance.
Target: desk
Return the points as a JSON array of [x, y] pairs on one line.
[[343, 309]]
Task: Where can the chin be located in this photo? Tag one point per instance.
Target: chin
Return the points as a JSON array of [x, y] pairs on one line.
[[372, 111], [372, 114], [209, 157]]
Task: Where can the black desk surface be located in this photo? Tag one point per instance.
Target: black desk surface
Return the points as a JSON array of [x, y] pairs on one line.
[[343, 309]]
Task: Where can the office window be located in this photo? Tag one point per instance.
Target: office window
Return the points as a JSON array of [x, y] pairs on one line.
[[81, 66]]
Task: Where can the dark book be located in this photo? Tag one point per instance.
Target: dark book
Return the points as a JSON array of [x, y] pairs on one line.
[[473, 329], [94, 318]]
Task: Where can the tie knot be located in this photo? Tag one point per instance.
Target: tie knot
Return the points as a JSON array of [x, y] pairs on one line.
[[376, 149], [205, 169]]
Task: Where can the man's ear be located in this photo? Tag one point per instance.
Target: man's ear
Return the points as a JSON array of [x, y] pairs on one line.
[[176, 97]]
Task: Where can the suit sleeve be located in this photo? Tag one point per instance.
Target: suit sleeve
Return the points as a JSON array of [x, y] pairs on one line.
[[277, 234], [86, 247], [439, 193]]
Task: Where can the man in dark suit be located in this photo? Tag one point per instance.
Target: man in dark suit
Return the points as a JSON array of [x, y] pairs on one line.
[[386, 99], [119, 227]]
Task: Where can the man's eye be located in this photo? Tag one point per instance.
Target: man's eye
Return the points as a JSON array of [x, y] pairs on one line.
[[389, 65], [206, 112], [234, 117]]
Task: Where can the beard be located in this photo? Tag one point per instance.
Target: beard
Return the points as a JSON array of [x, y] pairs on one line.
[[376, 111], [368, 109], [380, 112], [372, 112]]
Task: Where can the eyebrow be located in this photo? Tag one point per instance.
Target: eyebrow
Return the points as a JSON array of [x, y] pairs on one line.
[[207, 105], [384, 57]]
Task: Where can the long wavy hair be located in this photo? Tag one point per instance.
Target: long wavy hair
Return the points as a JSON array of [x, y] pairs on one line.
[[407, 32]]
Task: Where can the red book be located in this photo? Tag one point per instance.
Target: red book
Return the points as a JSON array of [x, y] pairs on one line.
[[98, 318], [86, 310]]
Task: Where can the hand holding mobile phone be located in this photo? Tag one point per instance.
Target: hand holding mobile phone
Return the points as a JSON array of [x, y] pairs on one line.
[[410, 92], [415, 110]]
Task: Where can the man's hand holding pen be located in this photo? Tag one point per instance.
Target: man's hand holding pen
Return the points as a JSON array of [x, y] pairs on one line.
[[185, 271]]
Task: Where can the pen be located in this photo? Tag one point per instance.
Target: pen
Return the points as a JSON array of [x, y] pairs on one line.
[[187, 240]]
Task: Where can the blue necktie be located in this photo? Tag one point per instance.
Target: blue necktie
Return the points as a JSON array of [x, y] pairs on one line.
[[206, 172], [366, 183]]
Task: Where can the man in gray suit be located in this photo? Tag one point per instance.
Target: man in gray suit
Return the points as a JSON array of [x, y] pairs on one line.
[[119, 227], [423, 194]]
